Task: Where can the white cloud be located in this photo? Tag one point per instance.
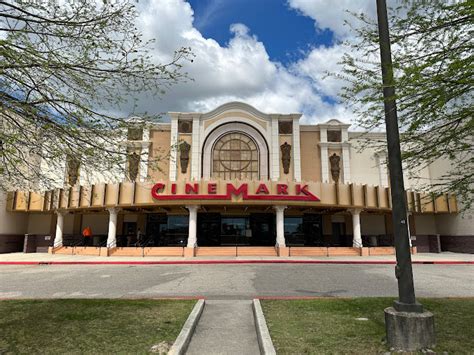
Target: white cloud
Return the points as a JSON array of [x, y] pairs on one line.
[[318, 63], [241, 70], [333, 14]]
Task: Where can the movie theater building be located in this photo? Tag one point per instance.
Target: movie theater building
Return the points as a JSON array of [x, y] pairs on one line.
[[236, 181]]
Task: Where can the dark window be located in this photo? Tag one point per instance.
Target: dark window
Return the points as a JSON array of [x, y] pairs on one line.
[[185, 126], [285, 127], [334, 136], [135, 134], [165, 230], [304, 231], [294, 231]]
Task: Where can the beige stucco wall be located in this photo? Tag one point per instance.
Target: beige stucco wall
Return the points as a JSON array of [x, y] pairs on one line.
[[372, 224], [310, 156], [39, 223], [159, 150], [424, 225], [98, 222], [11, 223], [68, 224], [461, 224], [364, 169]]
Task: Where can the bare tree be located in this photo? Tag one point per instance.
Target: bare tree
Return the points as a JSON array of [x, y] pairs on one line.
[[65, 70]]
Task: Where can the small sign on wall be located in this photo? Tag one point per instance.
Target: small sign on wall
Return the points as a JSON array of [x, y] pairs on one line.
[[47, 237]]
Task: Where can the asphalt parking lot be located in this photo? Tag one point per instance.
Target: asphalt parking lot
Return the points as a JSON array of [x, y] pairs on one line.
[[228, 281]]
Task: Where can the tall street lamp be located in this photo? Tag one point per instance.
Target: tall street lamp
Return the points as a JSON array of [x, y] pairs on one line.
[[408, 326]]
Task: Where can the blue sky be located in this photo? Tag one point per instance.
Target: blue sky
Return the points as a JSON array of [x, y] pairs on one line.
[[287, 34], [271, 54]]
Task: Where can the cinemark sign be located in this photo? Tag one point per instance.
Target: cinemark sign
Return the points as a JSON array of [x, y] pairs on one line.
[[191, 192]]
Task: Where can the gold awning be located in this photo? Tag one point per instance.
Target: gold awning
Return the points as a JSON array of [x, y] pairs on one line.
[[139, 194]]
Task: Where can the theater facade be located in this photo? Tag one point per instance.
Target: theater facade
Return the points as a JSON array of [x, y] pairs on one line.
[[237, 181]]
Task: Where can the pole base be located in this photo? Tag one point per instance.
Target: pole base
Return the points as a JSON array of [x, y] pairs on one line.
[[409, 331], [407, 307]]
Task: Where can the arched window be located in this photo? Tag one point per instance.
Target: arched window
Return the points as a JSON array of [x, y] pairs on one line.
[[235, 156]]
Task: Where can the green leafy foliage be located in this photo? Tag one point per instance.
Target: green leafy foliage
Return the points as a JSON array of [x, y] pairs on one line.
[[432, 48]]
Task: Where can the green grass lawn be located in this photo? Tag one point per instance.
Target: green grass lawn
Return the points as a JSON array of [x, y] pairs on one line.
[[89, 326], [330, 325]]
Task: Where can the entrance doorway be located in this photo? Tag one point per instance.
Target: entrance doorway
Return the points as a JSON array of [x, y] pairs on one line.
[[257, 229]]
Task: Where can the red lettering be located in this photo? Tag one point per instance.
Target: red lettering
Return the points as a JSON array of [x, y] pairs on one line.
[[212, 188], [282, 189], [243, 189], [302, 190], [262, 189], [190, 189], [173, 189], [156, 189]]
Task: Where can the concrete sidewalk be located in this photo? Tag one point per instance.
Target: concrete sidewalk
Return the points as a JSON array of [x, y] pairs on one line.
[[225, 327], [445, 257]]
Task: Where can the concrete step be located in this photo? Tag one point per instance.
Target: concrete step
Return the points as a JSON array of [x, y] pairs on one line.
[[225, 327]]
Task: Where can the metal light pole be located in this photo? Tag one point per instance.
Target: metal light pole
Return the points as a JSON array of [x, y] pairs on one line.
[[403, 271], [407, 326]]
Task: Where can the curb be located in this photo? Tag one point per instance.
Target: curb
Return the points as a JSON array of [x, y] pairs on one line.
[[263, 335], [182, 341], [187, 262]]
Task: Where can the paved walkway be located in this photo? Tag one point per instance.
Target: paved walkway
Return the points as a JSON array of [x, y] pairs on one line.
[[225, 327], [46, 258]]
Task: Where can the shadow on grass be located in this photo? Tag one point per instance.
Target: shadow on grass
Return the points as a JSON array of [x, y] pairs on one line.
[[82, 326], [356, 326]]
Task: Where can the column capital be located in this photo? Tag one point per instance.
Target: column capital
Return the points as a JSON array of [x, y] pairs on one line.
[[354, 211], [280, 208], [192, 208], [113, 210], [61, 212]]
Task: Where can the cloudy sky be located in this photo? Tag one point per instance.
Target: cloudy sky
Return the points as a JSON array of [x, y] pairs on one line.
[[272, 54]]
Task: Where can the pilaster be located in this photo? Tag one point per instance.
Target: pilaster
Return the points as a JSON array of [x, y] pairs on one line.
[[346, 163], [381, 159], [174, 148], [324, 163], [195, 149], [296, 149], [275, 151], [143, 170]]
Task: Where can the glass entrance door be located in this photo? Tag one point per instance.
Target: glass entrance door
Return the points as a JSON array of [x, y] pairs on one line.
[[235, 231], [263, 229], [209, 229], [258, 229]]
